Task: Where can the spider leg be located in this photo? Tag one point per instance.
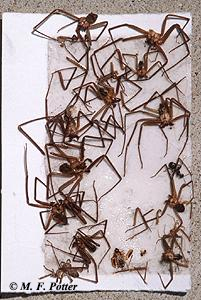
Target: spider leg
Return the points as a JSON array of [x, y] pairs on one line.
[[65, 26], [185, 42], [99, 25], [35, 30], [108, 244], [171, 277], [138, 210], [135, 28], [97, 161], [145, 123], [172, 16], [132, 82], [182, 187], [28, 136]]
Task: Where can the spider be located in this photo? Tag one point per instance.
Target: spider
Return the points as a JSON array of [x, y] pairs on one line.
[[174, 200], [155, 39], [114, 69], [65, 268], [85, 242], [76, 167], [67, 126], [108, 96], [57, 209], [169, 256], [161, 117], [84, 24], [142, 70]]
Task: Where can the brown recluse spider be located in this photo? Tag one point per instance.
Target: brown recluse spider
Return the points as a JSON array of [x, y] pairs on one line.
[[57, 209], [69, 125], [65, 268], [174, 198], [84, 24], [85, 243], [75, 168], [161, 117], [169, 256], [114, 75], [156, 39], [108, 96], [142, 70]]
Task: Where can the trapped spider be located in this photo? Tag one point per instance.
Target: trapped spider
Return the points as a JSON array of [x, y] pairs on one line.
[[161, 117], [155, 39]]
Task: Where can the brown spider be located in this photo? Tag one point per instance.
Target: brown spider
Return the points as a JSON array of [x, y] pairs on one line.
[[174, 199], [65, 268], [161, 117], [75, 167], [142, 69], [118, 72], [67, 126], [155, 39], [84, 24], [57, 209], [107, 94], [169, 241], [85, 243]]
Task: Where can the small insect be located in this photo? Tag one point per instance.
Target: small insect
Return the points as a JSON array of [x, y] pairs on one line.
[[119, 258], [121, 261], [143, 252]]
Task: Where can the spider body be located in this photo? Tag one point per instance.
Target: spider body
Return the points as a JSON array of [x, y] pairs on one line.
[[84, 23], [65, 269], [165, 114], [107, 94], [74, 167], [153, 38], [169, 256]]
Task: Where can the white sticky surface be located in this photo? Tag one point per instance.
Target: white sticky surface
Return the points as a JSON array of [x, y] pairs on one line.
[[24, 88]]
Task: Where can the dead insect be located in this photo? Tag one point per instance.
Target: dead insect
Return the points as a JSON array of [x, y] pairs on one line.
[[119, 258], [143, 252]]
